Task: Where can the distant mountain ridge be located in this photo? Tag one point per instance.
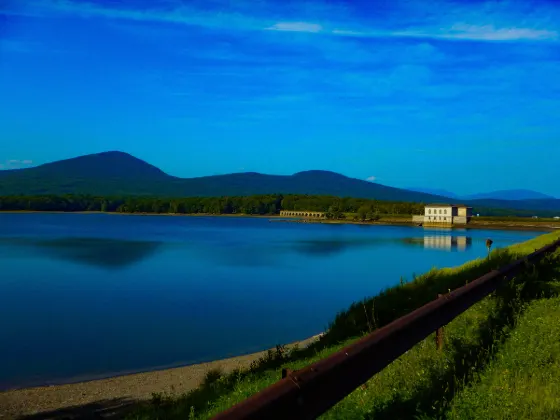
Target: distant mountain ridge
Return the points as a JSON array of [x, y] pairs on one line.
[[120, 174], [494, 195], [510, 195], [434, 191]]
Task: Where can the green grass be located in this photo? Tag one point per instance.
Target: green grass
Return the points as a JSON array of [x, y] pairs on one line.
[[427, 384], [523, 381], [423, 382]]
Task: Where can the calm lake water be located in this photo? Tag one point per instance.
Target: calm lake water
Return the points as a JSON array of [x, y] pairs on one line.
[[83, 296]]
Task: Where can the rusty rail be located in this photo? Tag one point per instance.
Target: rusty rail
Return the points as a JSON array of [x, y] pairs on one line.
[[309, 392]]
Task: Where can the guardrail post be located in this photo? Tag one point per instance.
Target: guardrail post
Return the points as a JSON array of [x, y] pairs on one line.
[[439, 333], [286, 372]]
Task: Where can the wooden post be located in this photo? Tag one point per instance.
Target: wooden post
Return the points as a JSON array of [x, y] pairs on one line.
[[286, 372], [439, 333]]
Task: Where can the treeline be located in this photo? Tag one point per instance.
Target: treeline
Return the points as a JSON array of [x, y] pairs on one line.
[[335, 207]]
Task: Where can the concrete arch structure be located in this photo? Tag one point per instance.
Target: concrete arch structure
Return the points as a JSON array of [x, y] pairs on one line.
[[306, 214]]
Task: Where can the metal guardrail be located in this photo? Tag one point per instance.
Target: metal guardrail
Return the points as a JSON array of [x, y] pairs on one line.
[[309, 392]]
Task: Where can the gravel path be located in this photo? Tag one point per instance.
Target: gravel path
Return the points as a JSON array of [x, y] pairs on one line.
[[113, 394]]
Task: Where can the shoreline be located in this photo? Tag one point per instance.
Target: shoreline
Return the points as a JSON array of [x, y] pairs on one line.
[[130, 389], [499, 224], [133, 388], [470, 226]]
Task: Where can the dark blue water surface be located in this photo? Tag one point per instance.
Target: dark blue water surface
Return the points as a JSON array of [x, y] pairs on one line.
[[84, 296]]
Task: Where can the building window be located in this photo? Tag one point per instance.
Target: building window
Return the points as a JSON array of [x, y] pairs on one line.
[[429, 211], [445, 212]]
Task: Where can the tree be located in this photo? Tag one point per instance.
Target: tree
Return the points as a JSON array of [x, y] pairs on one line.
[[363, 213]]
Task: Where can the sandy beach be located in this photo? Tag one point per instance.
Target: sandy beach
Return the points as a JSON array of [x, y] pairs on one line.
[[109, 397]]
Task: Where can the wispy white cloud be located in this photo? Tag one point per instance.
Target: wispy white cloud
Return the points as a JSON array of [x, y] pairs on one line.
[[15, 163], [492, 33], [371, 178], [458, 31], [296, 27], [280, 72], [489, 22], [181, 14]]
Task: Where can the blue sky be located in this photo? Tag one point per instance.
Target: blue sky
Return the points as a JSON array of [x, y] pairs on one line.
[[461, 95]]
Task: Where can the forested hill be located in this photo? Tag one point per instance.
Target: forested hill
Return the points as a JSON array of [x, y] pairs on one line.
[[335, 207], [118, 173]]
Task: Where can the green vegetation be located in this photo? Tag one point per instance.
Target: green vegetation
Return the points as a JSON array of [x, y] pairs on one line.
[[523, 380], [252, 205], [336, 207], [513, 330], [118, 174]]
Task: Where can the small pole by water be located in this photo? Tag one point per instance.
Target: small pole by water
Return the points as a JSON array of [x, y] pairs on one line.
[[489, 243]]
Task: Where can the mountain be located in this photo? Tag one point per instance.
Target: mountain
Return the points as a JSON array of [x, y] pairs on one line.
[[118, 173], [494, 195], [434, 191], [550, 206], [510, 195]]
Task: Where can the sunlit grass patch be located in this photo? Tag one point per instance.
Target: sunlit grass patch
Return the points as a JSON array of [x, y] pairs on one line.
[[523, 381]]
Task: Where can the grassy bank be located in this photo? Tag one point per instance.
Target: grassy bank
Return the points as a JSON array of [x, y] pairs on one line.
[[523, 379], [422, 382]]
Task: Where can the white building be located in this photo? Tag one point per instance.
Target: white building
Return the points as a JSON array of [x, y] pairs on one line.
[[445, 214]]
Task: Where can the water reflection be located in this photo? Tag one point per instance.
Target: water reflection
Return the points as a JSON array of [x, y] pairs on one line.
[[448, 242], [331, 246], [321, 247], [240, 256], [444, 242], [104, 253]]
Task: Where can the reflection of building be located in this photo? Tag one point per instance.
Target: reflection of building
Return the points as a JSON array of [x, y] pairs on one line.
[[444, 215], [310, 214], [463, 242], [448, 242]]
